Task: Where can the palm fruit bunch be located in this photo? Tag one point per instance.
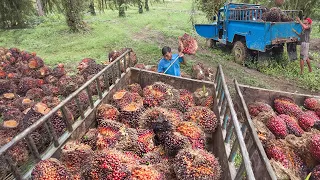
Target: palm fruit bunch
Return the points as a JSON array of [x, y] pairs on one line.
[[312, 103], [50, 90], [277, 126], [58, 71], [128, 140], [187, 44], [88, 66], [314, 146], [50, 169], [11, 119], [35, 62], [286, 105], [130, 107], [281, 172], [131, 59], [110, 132], [76, 156], [273, 15], [145, 141], [305, 120], [153, 157], [58, 122], [7, 86], [315, 117], [90, 138], [143, 172], [203, 97], [193, 132], [315, 173], [185, 100], [173, 142], [196, 164], [264, 134], [134, 88], [292, 125], [158, 119], [35, 94], [299, 166], [93, 86], [27, 83], [66, 85], [40, 135], [197, 72], [106, 111], [73, 106], [203, 116], [156, 94], [107, 166], [258, 107], [277, 150], [51, 101]]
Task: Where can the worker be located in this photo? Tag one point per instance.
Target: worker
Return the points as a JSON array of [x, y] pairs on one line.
[[170, 63], [305, 40]]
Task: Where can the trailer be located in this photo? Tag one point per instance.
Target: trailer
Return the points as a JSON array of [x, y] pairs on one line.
[[242, 27], [246, 95], [226, 142]]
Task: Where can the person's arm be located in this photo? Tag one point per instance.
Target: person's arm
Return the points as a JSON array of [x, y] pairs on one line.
[[182, 60], [304, 26], [160, 67]]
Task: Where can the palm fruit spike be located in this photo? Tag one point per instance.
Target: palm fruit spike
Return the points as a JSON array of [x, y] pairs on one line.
[[277, 150], [153, 157], [76, 156], [12, 118], [203, 116], [110, 132], [90, 138], [58, 122], [5, 86], [315, 174], [203, 97], [143, 172], [44, 71], [263, 132], [158, 119], [173, 142], [66, 85], [299, 166], [305, 120], [145, 141], [186, 100], [285, 105], [35, 62], [312, 103], [314, 146], [316, 118], [292, 125], [50, 90], [118, 96], [193, 132], [277, 126], [134, 88], [35, 94], [196, 164], [50, 101], [156, 94], [107, 111], [51, 80], [50, 169], [281, 172], [257, 107], [107, 166], [27, 83]]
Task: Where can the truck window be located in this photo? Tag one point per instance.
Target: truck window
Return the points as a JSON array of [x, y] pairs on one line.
[[221, 17]]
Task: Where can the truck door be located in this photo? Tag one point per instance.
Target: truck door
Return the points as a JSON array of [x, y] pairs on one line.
[[220, 24]]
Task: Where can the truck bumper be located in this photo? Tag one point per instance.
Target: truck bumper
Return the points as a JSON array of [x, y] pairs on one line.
[[284, 40]]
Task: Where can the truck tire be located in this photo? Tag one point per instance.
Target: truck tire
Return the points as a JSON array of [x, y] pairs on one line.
[[240, 52], [211, 43]]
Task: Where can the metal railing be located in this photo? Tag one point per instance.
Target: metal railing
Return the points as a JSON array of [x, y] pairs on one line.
[[109, 74], [231, 127]]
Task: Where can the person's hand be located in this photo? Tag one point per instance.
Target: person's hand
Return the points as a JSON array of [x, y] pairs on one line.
[[297, 19], [181, 54]]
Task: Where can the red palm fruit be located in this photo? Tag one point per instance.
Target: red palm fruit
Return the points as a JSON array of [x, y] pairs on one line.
[[314, 146], [203, 116], [315, 174], [140, 66], [50, 169], [305, 120], [193, 132], [145, 141], [134, 88], [285, 105], [107, 111], [292, 125], [44, 71], [35, 94], [90, 138], [277, 150], [50, 90], [173, 142], [277, 126], [143, 172], [3, 74], [257, 107], [58, 71], [51, 80], [312, 103]]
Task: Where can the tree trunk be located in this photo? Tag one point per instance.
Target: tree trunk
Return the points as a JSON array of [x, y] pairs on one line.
[[40, 8], [146, 5], [140, 7], [91, 8]]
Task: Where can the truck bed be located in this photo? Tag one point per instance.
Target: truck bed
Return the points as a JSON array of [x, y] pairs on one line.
[[226, 141]]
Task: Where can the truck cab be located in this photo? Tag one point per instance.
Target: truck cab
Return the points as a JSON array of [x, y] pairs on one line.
[[244, 27]]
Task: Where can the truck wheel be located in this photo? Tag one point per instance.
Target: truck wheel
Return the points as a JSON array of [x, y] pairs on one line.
[[240, 52], [211, 43]]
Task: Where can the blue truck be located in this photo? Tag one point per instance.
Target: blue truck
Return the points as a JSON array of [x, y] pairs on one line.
[[242, 27]]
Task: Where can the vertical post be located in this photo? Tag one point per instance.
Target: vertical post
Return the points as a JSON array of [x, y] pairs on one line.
[[99, 88], [68, 120], [34, 149], [90, 97]]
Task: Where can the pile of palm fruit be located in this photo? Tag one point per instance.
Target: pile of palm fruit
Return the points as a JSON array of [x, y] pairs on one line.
[[290, 136], [156, 132], [29, 89]]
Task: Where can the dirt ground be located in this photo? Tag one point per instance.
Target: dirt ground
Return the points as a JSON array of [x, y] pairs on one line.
[[315, 44], [231, 70]]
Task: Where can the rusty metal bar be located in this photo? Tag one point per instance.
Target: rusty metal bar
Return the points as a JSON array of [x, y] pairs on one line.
[[90, 97], [52, 133], [68, 120], [79, 107], [99, 88], [34, 150]]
